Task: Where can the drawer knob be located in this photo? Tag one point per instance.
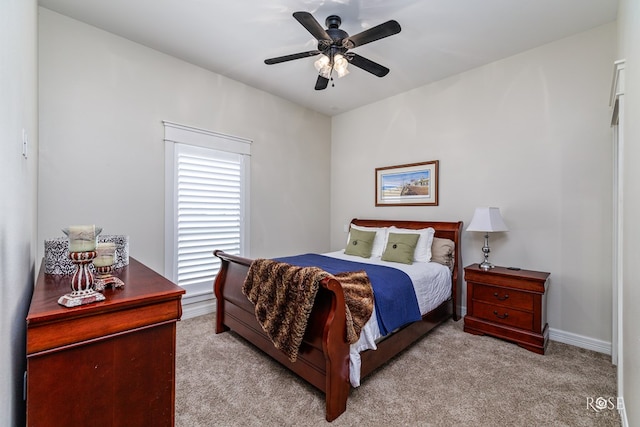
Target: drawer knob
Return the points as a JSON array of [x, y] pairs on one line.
[[495, 294], [504, 316]]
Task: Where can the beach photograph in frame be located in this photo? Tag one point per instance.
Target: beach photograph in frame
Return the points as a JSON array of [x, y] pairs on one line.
[[414, 184]]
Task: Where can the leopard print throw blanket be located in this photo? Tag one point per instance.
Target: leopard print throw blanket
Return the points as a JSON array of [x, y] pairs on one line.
[[284, 294]]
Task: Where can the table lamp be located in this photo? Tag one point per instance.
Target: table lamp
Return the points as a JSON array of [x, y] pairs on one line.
[[487, 220]]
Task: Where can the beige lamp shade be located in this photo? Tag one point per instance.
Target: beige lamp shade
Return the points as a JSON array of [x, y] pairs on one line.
[[487, 220]]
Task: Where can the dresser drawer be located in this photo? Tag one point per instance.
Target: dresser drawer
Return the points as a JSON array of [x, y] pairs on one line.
[[503, 315], [503, 296]]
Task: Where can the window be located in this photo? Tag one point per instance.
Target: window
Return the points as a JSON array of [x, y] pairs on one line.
[[209, 210], [207, 204]]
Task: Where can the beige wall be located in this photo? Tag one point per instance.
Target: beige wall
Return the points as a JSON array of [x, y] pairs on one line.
[[18, 189], [629, 49], [529, 134], [102, 102]]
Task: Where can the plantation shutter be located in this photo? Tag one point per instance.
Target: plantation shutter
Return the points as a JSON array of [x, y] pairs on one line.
[[209, 211], [207, 177]]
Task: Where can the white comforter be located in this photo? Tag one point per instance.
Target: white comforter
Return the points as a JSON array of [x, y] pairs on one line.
[[432, 284]]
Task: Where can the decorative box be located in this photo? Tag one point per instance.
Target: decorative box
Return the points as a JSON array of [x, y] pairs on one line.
[[56, 254]]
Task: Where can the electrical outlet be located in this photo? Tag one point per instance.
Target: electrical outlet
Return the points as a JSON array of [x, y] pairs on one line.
[[25, 144]]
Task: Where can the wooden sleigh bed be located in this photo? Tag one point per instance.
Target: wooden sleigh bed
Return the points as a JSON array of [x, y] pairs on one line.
[[323, 358]]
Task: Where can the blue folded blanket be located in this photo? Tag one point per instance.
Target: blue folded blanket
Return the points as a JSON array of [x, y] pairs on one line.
[[394, 295]]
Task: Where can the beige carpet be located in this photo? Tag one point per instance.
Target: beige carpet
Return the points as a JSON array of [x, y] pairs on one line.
[[448, 378]]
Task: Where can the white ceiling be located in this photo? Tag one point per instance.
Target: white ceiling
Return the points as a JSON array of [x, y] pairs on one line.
[[439, 38]]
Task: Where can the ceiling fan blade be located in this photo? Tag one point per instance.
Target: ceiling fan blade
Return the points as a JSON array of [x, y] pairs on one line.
[[291, 57], [368, 65], [322, 83], [309, 22], [378, 32]]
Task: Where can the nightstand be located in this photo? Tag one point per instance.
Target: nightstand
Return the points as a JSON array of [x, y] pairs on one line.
[[508, 304]]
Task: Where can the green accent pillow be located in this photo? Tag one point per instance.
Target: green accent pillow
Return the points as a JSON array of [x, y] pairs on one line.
[[400, 248], [360, 243]]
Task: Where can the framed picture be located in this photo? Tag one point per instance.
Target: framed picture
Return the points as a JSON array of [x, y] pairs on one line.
[[415, 184]]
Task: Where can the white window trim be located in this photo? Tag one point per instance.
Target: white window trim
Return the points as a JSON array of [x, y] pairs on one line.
[[177, 133]]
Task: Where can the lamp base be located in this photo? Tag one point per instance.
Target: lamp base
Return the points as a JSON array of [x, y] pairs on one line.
[[105, 278], [83, 291], [108, 281], [77, 298], [486, 265]]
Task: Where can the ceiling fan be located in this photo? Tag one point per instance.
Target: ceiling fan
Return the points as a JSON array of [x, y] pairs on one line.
[[334, 45]]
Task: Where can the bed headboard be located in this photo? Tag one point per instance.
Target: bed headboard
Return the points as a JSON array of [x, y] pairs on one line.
[[444, 230]]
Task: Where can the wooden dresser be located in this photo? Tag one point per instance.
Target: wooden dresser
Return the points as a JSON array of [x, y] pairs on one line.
[[508, 304], [109, 363]]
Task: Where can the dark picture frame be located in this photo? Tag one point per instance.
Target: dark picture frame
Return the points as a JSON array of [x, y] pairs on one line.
[[413, 184]]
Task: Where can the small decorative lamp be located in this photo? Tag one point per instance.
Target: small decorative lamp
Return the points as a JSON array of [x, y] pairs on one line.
[[487, 220], [103, 263], [82, 251]]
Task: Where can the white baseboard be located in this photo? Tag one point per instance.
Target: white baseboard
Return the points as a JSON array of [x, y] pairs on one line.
[[571, 338], [195, 305], [463, 311], [623, 415], [580, 341]]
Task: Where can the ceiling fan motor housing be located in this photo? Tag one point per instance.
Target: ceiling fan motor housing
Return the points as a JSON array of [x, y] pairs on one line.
[[337, 36], [333, 21]]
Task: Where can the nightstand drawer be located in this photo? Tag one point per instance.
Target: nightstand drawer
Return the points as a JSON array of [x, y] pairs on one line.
[[503, 315], [503, 296]]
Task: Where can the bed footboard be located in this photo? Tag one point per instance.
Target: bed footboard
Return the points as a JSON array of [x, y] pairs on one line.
[[323, 360]]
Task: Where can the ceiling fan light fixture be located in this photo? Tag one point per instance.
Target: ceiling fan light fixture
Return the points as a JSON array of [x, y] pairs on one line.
[[324, 66], [340, 64], [322, 62], [325, 72]]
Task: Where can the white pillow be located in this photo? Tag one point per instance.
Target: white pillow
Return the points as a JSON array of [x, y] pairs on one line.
[[423, 248], [379, 242]]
